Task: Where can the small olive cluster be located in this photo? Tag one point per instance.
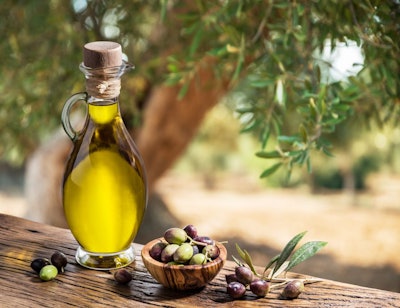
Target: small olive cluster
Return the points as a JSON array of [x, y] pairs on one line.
[[183, 246], [243, 277], [48, 270]]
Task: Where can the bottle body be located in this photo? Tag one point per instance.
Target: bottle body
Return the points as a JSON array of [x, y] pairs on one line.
[[104, 189]]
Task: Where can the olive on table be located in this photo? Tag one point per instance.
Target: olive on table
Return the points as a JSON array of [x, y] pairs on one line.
[[39, 263], [244, 275], [59, 260], [236, 290], [48, 272], [259, 287], [122, 276]]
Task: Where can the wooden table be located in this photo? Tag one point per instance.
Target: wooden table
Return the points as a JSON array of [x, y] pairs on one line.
[[21, 241]]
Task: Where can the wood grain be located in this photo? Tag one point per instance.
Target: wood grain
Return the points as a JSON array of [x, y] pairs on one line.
[[21, 241]]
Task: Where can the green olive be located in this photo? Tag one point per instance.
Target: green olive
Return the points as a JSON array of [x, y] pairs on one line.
[[184, 253], [48, 272], [198, 259], [175, 236], [167, 254]]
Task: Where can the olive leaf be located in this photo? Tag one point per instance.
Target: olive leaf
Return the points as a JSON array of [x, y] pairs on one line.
[[290, 246], [304, 252], [237, 261], [280, 270], [246, 258], [240, 251], [271, 262], [184, 89], [270, 170], [285, 260], [271, 154]]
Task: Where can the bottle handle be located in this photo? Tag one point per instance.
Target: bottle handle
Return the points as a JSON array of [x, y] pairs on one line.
[[65, 114]]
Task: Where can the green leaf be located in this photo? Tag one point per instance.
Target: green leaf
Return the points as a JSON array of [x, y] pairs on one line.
[[280, 270], [249, 262], [265, 136], [218, 52], [306, 251], [272, 154], [172, 67], [288, 139], [240, 60], [271, 262], [327, 152], [240, 251], [250, 126], [261, 83], [196, 42], [288, 250], [294, 153], [163, 10], [281, 5], [300, 36], [245, 109], [270, 170], [237, 261], [303, 133], [246, 258], [183, 90], [173, 79]]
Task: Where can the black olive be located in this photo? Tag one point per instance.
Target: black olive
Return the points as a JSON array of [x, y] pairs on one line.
[[122, 276], [39, 263], [59, 260]]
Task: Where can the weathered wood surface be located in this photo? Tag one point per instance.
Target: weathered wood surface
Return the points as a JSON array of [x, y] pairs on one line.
[[21, 241]]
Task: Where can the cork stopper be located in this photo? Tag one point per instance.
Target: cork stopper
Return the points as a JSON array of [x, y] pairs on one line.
[[105, 58], [102, 54]]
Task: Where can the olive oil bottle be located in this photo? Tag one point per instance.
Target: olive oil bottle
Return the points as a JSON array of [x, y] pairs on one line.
[[104, 188]]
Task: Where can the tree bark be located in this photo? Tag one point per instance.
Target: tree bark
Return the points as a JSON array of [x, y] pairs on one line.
[[170, 123]]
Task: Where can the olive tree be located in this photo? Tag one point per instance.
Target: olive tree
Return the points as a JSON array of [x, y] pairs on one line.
[[266, 57]]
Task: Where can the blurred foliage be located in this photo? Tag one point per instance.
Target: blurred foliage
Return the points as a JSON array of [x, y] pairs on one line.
[[41, 49], [271, 51]]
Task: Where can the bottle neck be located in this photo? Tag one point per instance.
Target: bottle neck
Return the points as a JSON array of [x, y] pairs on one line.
[[103, 111], [95, 100], [101, 89], [104, 83]]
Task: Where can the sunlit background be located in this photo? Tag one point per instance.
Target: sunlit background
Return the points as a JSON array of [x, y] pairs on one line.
[[350, 199]]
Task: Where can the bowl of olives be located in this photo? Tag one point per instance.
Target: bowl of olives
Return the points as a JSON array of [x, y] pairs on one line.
[[182, 260]]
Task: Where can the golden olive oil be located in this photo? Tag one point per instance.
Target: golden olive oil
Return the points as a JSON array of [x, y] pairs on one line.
[[104, 186]]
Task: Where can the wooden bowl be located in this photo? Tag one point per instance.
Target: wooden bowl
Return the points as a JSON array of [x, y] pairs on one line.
[[183, 277]]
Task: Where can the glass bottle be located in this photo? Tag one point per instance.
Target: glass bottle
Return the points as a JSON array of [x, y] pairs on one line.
[[104, 186]]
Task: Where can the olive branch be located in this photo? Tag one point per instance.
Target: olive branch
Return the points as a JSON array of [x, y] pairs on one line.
[[284, 261]]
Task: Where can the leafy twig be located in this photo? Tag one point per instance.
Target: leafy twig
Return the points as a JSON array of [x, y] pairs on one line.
[[284, 261]]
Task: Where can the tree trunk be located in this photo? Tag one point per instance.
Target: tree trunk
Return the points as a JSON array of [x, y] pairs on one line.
[[170, 124]]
